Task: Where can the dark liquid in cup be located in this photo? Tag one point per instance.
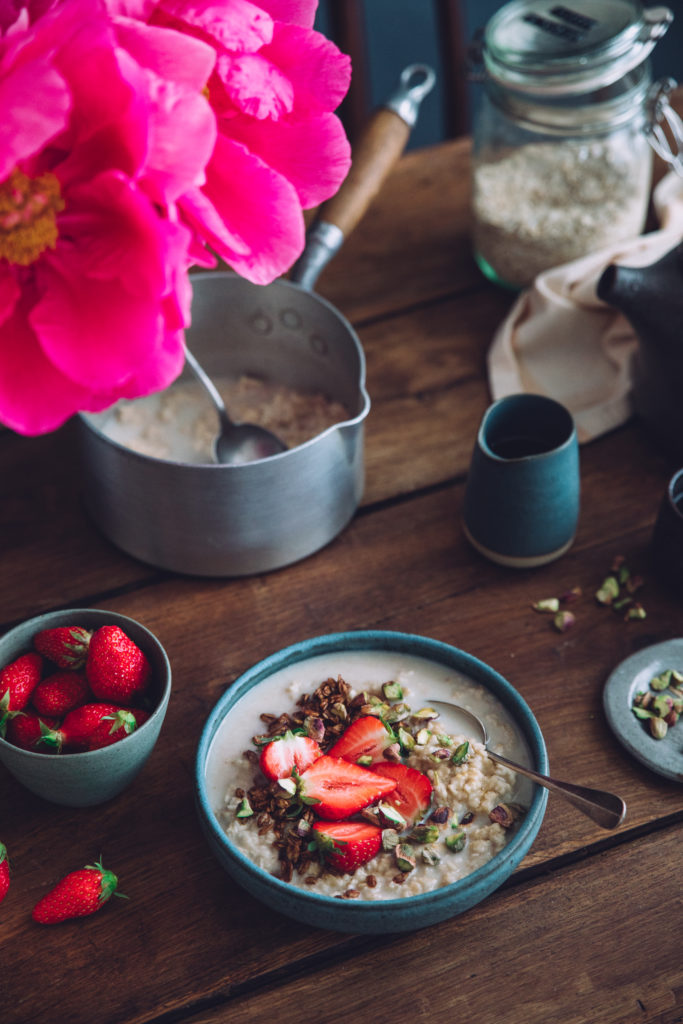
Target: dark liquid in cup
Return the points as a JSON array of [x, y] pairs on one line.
[[518, 447]]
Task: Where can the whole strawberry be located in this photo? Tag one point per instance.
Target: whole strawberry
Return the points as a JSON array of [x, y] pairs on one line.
[[93, 726], [59, 693], [18, 680], [67, 646], [4, 872], [116, 669], [32, 732], [76, 895]]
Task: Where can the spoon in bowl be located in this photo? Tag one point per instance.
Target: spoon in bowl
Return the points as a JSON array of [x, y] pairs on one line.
[[606, 809], [235, 443]]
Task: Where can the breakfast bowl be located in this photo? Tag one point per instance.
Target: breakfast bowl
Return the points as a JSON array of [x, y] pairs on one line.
[[473, 853], [88, 777]]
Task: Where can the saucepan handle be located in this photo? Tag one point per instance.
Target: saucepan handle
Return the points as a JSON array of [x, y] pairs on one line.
[[380, 145]]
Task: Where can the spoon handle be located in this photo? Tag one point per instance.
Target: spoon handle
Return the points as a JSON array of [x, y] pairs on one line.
[[606, 809]]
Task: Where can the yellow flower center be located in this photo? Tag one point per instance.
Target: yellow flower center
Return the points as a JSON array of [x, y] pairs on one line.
[[28, 216]]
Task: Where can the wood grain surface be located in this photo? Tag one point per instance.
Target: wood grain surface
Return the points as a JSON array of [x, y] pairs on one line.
[[589, 928]]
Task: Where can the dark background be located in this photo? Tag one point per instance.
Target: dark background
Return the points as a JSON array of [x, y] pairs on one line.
[[401, 32]]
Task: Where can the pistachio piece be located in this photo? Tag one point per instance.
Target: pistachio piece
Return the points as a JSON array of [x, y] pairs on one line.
[[430, 856], [502, 815], [571, 595], [244, 809], [406, 739], [563, 621], [440, 754], [365, 760], [396, 712], [658, 728], [389, 839], [608, 591], [392, 691], [661, 682], [315, 728], [422, 737], [405, 859], [547, 604], [672, 718], [456, 840], [662, 705], [636, 611], [392, 752], [443, 740], [461, 753], [425, 713], [339, 711], [440, 815], [303, 827], [390, 817], [425, 833], [642, 713]]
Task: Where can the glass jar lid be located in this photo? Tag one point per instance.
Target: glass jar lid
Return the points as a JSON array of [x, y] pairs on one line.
[[541, 46]]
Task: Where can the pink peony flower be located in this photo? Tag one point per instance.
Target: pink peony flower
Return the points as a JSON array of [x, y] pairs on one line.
[[168, 132]]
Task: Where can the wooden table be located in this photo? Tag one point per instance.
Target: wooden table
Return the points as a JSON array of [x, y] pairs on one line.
[[588, 929]]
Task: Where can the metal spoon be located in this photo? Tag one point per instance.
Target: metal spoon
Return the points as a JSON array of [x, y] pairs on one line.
[[235, 442], [607, 809]]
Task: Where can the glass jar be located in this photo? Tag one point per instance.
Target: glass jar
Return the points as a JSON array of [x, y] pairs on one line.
[[562, 153]]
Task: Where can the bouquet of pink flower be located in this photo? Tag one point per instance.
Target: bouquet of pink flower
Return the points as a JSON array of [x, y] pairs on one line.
[[140, 138]]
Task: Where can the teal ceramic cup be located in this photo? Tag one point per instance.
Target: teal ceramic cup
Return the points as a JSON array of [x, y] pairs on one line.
[[522, 496], [92, 777]]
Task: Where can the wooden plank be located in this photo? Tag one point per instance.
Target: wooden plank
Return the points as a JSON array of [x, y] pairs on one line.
[[596, 923]]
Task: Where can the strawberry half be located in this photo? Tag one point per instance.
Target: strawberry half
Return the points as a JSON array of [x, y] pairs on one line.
[[59, 693], [413, 793], [76, 895], [285, 753], [338, 789], [18, 680], [116, 669], [346, 845], [366, 737], [67, 646], [4, 872]]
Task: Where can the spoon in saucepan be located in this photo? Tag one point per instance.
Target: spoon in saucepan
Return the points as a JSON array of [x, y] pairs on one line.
[[235, 443], [607, 809]]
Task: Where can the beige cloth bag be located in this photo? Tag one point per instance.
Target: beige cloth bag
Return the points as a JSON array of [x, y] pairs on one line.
[[561, 340]]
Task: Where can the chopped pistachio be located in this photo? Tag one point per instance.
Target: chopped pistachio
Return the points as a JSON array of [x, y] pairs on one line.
[[244, 810], [440, 815], [636, 611], [658, 728], [315, 728], [389, 839], [440, 754], [456, 840], [502, 815], [390, 817], [396, 712], [392, 752], [571, 595], [563, 621], [547, 604], [430, 856], [422, 737], [365, 760], [623, 573], [622, 603], [443, 740], [608, 591], [642, 713], [661, 682], [406, 739], [662, 705], [392, 691], [303, 827], [425, 833], [339, 711], [426, 713], [405, 858], [461, 753], [672, 717]]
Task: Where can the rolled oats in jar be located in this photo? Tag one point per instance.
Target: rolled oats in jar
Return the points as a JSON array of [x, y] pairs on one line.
[[563, 138]]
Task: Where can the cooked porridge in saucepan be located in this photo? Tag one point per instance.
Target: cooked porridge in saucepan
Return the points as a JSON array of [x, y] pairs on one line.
[[470, 805]]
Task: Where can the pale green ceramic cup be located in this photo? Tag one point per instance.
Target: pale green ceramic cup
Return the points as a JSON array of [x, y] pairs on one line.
[[92, 777]]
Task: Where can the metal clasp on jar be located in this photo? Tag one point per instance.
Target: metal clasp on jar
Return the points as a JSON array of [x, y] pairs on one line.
[[662, 115]]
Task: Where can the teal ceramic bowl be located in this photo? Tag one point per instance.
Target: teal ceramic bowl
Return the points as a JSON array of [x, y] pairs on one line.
[[92, 777], [383, 915]]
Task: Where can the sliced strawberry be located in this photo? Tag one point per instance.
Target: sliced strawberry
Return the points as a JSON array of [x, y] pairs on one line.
[[367, 737], [413, 793], [283, 754], [347, 844], [338, 789]]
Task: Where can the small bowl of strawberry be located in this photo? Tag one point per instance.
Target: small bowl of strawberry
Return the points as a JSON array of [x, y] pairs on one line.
[[83, 695]]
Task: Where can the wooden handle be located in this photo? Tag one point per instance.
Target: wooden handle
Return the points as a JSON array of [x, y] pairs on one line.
[[380, 145]]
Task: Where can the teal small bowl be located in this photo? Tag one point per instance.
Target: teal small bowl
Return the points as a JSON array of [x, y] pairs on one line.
[[382, 916], [94, 776]]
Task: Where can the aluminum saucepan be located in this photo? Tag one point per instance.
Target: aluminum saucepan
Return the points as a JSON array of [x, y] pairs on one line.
[[236, 520]]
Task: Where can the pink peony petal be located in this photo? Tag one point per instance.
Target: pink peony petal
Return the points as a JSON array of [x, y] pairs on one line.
[[10, 292], [170, 54], [318, 70], [260, 206], [296, 12], [27, 126], [255, 85], [313, 154], [181, 140], [238, 25]]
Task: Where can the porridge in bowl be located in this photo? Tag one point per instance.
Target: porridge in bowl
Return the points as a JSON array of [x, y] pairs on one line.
[[368, 793]]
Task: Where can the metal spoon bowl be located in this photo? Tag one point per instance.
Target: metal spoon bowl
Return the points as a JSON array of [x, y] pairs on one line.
[[235, 443], [606, 809]]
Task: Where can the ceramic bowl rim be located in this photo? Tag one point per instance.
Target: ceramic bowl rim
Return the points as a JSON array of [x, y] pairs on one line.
[[398, 642], [107, 618]]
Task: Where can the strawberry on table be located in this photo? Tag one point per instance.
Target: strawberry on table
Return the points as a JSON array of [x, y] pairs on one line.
[[346, 845], [285, 753], [31, 731], [59, 693], [18, 680], [93, 726], [338, 789], [413, 793], [4, 872], [76, 895], [66, 646], [116, 669], [367, 737]]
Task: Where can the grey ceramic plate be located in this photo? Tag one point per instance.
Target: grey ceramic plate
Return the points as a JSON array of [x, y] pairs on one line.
[[633, 674]]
